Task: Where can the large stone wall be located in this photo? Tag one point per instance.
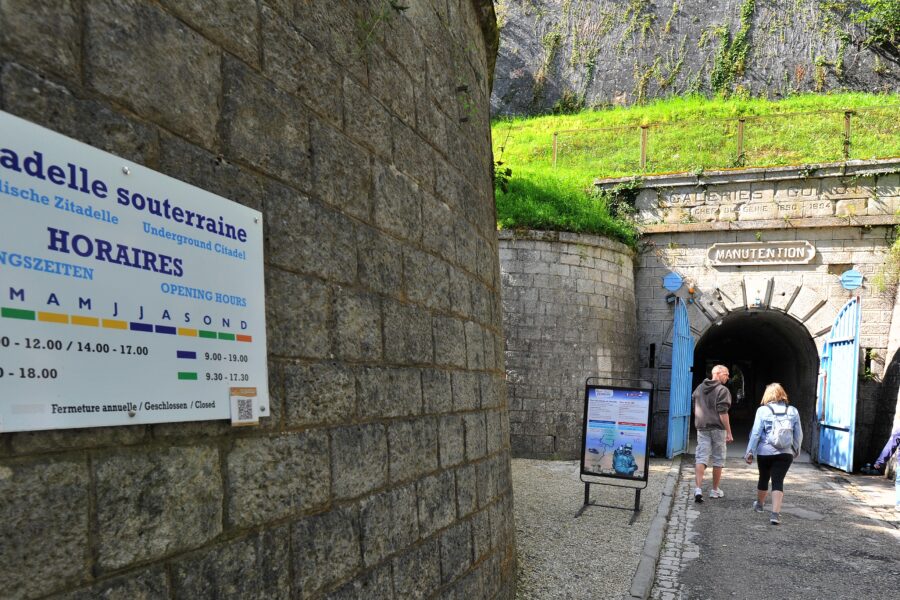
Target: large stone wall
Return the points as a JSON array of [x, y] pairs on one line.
[[568, 314], [384, 469], [605, 52]]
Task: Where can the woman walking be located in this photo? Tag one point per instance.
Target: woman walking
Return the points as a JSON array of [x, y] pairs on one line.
[[775, 441]]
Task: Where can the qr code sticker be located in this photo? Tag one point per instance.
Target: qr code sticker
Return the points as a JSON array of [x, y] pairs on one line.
[[244, 406], [245, 409]]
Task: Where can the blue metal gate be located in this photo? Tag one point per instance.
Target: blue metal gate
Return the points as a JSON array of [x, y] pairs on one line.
[[680, 387], [836, 402]]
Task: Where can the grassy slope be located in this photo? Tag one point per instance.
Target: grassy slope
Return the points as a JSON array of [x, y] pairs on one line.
[[684, 134]]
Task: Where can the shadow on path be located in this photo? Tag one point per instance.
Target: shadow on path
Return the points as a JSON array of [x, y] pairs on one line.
[[839, 538]]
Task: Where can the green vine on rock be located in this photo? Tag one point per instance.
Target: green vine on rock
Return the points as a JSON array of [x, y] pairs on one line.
[[501, 175], [819, 74], [550, 43], [620, 199], [675, 61], [367, 27], [569, 103], [882, 21], [676, 6], [806, 171], [731, 58], [843, 41], [642, 80], [887, 277], [501, 10], [638, 18]]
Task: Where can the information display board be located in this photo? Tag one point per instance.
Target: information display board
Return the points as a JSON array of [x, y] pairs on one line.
[[615, 440], [126, 296]]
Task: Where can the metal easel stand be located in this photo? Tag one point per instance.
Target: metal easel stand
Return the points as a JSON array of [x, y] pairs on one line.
[[587, 495]]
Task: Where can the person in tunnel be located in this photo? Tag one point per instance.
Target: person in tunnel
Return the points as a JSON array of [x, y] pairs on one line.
[[711, 403], [775, 441]]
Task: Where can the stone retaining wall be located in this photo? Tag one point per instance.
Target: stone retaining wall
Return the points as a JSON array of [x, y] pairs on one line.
[[384, 469], [568, 313]]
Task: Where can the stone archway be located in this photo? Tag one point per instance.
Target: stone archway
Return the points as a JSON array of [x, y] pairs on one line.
[[732, 237], [767, 329], [761, 347]]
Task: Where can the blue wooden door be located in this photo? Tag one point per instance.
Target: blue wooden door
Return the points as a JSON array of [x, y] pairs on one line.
[[680, 386], [836, 402]]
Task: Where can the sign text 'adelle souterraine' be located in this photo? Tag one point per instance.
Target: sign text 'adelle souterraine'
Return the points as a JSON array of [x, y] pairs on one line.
[[126, 297]]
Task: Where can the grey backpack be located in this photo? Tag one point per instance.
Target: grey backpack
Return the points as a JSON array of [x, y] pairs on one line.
[[781, 435]]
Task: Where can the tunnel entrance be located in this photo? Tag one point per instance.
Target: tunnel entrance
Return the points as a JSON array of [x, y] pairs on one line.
[[760, 347]]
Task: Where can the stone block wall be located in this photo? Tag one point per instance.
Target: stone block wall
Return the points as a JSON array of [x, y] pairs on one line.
[[384, 469], [568, 314]]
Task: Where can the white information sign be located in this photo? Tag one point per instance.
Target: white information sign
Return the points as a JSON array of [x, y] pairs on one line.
[[126, 296], [616, 426]]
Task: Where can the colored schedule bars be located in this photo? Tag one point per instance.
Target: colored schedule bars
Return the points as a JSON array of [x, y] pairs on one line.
[[186, 355], [64, 319]]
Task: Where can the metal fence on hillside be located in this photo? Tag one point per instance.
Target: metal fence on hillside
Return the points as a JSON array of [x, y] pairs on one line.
[[781, 139]]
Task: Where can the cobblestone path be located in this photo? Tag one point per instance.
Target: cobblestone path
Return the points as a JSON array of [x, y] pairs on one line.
[[836, 539], [679, 547]]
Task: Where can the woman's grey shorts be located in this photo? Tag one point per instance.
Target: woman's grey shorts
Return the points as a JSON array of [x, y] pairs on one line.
[[710, 447]]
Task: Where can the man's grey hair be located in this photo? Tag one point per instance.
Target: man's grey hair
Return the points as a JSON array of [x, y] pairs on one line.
[[718, 369]]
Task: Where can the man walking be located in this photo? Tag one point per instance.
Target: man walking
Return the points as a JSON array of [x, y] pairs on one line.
[[711, 403]]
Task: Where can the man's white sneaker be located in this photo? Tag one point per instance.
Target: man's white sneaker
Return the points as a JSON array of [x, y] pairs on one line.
[[714, 493], [698, 495]]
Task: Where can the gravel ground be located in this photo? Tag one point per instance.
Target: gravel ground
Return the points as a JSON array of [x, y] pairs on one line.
[[594, 555]]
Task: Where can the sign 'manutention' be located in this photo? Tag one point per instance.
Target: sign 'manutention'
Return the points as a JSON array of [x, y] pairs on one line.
[[126, 296], [761, 253]]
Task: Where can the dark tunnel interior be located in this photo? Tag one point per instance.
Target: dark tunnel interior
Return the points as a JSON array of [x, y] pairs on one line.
[[761, 347]]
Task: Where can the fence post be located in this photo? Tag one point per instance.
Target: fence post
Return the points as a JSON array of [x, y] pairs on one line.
[[643, 147], [847, 114], [555, 135], [740, 143]]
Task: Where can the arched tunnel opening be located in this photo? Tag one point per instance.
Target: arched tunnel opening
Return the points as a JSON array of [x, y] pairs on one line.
[[760, 347]]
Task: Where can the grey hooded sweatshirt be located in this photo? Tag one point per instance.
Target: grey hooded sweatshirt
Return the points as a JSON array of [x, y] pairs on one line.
[[710, 398]]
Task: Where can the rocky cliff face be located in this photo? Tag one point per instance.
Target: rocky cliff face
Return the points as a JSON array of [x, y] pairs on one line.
[[569, 53]]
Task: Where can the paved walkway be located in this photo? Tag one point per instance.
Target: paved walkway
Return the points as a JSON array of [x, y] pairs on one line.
[[839, 538]]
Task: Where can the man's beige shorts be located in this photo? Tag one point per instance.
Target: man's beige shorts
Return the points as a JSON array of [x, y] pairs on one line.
[[710, 447]]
